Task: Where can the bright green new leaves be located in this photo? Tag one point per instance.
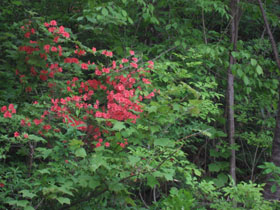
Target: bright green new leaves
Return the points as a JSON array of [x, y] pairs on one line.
[[81, 152]]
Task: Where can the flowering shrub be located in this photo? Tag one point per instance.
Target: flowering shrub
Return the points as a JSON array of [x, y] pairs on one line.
[[74, 119], [111, 91]]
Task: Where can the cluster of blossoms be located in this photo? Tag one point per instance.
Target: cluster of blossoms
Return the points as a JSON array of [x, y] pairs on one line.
[[8, 111], [110, 95], [17, 134]]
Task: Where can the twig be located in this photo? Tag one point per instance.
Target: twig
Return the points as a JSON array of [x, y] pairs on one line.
[[39, 204], [154, 193], [140, 195]]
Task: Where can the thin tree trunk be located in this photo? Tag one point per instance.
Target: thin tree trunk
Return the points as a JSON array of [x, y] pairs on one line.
[[203, 25], [235, 13], [275, 157]]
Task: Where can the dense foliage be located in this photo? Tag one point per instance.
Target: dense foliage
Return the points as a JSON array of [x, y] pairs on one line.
[[124, 105]]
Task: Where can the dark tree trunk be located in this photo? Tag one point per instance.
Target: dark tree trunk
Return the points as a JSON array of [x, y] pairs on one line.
[[275, 156], [235, 13]]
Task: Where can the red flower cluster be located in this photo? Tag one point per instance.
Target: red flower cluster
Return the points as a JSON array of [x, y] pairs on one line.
[[8, 111]]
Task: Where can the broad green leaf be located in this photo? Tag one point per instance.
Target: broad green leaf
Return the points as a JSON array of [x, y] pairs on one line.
[[92, 184], [118, 126], [197, 172], [239, 72], [221, 180], [20, 203], [81, 152], [44, 152], [124, 13], [104, 11], [64, 189], [128, 200], [273, 188], [213, 167], [36, 138], [168, 173], [133, 159], [76, 143], [44, 171], [27, 193], [234, 54], [245, 80], [130, 20], [116, 187], [99, 17], [152, 109], [63, 200], [96, 161], [253, 62], [152, 181], [259, 70]]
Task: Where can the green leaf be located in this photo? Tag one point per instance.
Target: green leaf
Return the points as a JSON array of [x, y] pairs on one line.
[[96, 162], [273, 188], [20, 203], [81, 152], [169, 173], [213, 167], [239, 72], [221, 180], [245, 80], [118, 126], [36, 138], [152, 109], [104, 11], [128, 200], [197, 172], [44, 171], [164, 142], [130, 20], [92, 184], [63, 200], [27, 193], [116, 187], [44, 152], [76, 143], [65, 189], [133, 160], [253, 62], [177, 43], [234, 54], [259, 70], [99, 17], [152, 181], [124, 13]]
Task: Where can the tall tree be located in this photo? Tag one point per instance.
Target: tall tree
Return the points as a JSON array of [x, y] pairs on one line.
[[275, 157], [235, 14]]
